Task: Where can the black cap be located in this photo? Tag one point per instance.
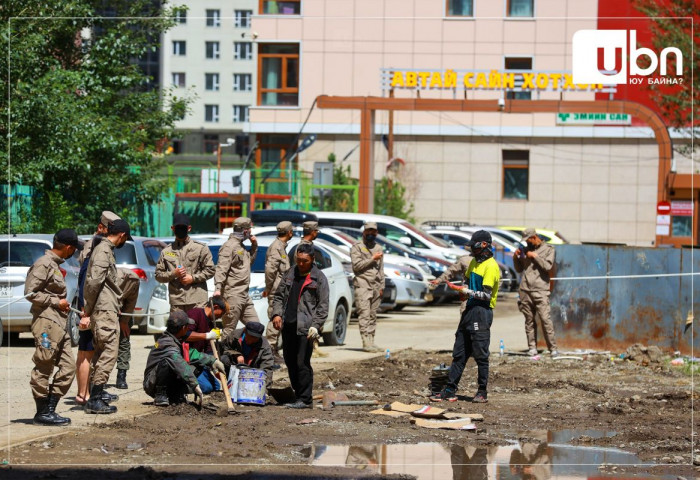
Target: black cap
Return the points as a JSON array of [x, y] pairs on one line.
[[120, 226], [478, 237], [181, 219], [254, 329], [67, 236], [177, 320]]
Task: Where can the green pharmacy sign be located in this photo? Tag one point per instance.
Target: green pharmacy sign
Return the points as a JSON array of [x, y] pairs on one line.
[[594, 119]]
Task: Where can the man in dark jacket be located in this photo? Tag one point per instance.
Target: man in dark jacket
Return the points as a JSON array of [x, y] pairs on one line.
[[299, 309], [248, 346], [170, 372]]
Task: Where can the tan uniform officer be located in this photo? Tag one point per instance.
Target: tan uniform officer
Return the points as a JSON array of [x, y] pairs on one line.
[[232, 277], [49, 315], [309, 234], [106, 219], [276, 265], [102, 304], [185, 266], [368, 265], [129, 283]]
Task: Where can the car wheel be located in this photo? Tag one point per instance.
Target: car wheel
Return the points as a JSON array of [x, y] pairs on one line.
[[72, 326], [398, 308], [340, 327]]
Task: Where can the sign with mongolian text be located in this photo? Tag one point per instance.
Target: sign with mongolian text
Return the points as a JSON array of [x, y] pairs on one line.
[[579, 118]]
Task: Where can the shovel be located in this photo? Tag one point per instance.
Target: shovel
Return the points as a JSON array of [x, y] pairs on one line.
[[224, 382], [331, 397]]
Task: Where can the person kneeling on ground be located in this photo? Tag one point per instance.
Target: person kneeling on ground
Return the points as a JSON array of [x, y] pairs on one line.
[[170, 368], [247, 346], [202, 332]]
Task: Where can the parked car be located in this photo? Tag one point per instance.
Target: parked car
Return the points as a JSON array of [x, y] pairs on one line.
[[395, 229], [388, 296], [549, 236], [141, 256], [17, 253], [340, 302]]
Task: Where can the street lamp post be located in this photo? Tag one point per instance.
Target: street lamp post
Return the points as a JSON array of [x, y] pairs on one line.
[[229, 142]]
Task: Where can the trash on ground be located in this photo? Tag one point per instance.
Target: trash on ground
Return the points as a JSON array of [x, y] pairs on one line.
[[330, 397], [307, 421], [405, 408], [453, 424], [353, 403], [567, 357], [359, 385], [428, 412], [535, 357], [389, 413], [677, 361]]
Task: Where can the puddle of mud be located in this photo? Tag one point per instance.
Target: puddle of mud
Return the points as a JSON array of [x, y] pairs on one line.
[[538, 454]]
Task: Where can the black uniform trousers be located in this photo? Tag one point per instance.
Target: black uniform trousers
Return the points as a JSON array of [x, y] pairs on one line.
[[297, 350], [472, 339]]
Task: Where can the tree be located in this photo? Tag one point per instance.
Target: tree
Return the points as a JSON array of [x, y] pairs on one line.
[[390, 199], [340, 200], [677, 103], [85, 128]]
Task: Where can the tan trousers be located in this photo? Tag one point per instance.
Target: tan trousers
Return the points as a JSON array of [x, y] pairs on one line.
[[271, 332], [59, 356], [105, 330], [240, 308], [533, 304], [184, 308], [367, 301]]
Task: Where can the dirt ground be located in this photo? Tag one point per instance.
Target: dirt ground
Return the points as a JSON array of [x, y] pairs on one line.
[[647, 407]]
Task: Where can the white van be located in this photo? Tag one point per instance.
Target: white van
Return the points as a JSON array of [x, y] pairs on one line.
[[395, 229]]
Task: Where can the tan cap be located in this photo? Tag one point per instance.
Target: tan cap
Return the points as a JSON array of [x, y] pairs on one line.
[[242, 223], [310, 225], [529, 232], [371, 225], [108, 217], [284, 227]]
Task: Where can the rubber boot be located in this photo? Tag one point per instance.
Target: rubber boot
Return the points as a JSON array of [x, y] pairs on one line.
[[96, 404], [58, 420], [161, 398], [121, 380], [43, 414]]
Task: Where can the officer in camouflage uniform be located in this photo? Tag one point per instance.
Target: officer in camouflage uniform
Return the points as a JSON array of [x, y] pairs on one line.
[[49, 316], [368, 266], [276, 265], [102, 304], [129, 283], [232, 277], [185, 266]]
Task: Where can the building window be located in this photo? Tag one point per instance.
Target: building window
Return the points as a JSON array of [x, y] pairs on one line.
[[521, 8], [682, 226], [518, 63], [460, 8], [211, 113], [178, 79], [240, 113], [280, 7], [211, 143], [278, 74], [176, 146], [516, 164], [242, 82], [242, 51], [211, 81], [179, 48], [181, 16], [213, 18], [241, 18], [212, 50]]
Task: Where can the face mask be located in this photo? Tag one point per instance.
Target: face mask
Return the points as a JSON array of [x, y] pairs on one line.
[[246, 234], [370, 238], [181, 231], [121, 244]]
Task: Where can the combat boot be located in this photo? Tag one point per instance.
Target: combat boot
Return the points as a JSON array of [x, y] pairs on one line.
[[366, 343], [121, 380], [161, 398], [53, 402], [43, 415], [96, 404], [373, 347]]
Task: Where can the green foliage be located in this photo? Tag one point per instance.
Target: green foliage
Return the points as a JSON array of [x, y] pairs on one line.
[[85, 128], [669, 29], [340, 200], [390, 198]]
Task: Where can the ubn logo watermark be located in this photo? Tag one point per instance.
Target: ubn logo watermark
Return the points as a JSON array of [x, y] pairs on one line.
[[600, 56]]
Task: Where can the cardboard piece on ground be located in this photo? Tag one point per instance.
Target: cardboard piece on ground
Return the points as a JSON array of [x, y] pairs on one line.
[[389, 413], [402, 407], [476, 417], [455, 424], [428, 412]]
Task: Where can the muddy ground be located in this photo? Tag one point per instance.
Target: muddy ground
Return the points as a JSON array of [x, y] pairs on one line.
[[648, 407]]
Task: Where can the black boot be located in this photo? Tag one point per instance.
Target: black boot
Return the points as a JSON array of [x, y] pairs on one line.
[[106, 396], [58, 420], [43, 415], [121, 380], [161, 398], [96, 404]]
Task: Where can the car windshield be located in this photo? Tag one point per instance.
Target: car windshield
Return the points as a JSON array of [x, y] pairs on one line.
[[126, 255], [258, 264], [424, 236], [19, 253]]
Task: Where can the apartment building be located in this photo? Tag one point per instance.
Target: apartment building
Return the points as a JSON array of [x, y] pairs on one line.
[[592, 177]]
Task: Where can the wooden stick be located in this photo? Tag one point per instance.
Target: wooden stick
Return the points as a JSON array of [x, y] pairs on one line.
[[222, 379]]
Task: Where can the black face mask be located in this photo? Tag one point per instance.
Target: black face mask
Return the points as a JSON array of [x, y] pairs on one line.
[[370, 238], [181, 231]]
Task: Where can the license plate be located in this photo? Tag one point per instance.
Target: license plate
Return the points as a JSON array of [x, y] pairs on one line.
[[5, 290]]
